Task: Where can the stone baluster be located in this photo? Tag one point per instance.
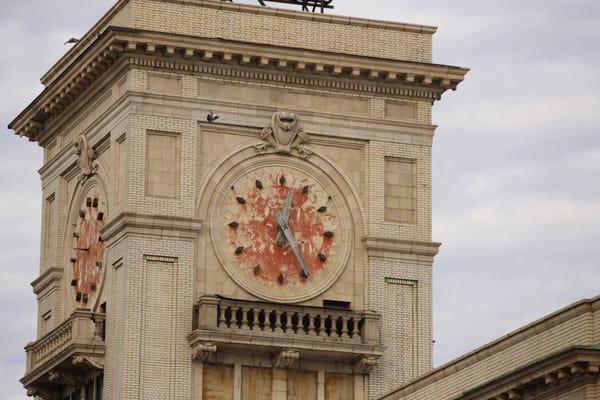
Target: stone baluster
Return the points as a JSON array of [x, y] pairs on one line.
[[222, 320], [244, 323], [344, 334], [278, 327], [311, 325]]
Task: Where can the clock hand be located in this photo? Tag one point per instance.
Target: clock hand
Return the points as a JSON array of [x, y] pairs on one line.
[[285, 228], [285, 216]]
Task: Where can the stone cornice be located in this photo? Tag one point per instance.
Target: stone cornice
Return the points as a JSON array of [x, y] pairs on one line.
[[231, 58], [46, 279], [151, 225], [505, 342], [102, 24], [381, 246]]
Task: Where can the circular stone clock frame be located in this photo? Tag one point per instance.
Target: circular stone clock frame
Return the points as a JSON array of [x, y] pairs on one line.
[[336, 224], [85, 250]]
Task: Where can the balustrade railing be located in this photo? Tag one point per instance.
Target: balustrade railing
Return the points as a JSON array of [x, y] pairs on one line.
[[83, 326], [213, 313]]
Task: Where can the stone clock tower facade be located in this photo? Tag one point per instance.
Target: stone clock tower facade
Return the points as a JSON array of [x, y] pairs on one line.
[[280, 251]]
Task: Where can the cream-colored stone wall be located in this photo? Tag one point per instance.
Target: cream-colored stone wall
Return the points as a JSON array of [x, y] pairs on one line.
[[375, 195], [184, 204], [155, 300], [401, 291], [555, 333], [116, 290]]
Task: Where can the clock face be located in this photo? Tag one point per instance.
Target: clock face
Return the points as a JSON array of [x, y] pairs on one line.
[[279, 233], [87, 261]]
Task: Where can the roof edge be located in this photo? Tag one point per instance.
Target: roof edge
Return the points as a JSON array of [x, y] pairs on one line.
[[564, 314]]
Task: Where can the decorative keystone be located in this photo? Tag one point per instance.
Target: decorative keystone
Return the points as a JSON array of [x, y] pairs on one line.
[[285, 358]]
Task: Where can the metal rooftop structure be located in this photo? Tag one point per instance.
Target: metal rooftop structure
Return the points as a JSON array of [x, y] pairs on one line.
[[307, 5]]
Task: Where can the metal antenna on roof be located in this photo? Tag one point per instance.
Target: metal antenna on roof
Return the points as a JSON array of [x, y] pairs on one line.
[[305, 4]]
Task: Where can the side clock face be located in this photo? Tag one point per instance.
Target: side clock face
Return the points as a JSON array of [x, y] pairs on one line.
[[280, 235], [87, 261]]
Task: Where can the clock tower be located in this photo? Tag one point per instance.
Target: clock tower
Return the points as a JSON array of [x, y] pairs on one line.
[[279, 249]]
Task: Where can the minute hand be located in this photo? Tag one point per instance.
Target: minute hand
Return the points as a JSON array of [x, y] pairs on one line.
[[285, 228]]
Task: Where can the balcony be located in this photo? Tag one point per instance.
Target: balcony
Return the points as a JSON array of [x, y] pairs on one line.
[[287, 332], [65, 356]]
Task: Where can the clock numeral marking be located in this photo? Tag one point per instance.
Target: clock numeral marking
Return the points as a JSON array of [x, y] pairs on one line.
[[281, 279], [85, 298], [76, 235], [239, 250], [328, 234], [100, 239], [305, 189], [259, 184], [282, 180], [78, 297], [99, 264], [257, 270], [73, 260], [88, 202], [81, 214], [322, 209], [93, 286], [303, 274], [322, 257], [95, 203], [234, 224], [100, 216], [73, 282], [241, 200]]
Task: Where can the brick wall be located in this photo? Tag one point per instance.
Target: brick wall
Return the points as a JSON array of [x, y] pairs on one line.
[[289, 29]]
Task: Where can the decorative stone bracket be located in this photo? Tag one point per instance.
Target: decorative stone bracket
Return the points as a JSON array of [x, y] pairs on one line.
[[202, 351], [364, 365], [91, 362], [285, 358]]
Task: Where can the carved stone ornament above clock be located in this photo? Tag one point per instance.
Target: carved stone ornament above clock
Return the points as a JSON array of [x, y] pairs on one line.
[[285, 134], [280, 227], [86, 158]]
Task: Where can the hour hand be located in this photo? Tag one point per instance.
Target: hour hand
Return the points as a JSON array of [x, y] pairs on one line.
[[285, 213], [285, 229]]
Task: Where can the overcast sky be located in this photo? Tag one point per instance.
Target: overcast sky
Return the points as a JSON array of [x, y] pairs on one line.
[[516, 161]]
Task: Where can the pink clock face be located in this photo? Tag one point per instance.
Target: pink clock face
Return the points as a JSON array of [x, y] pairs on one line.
[[88, 252], [279, 228]]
